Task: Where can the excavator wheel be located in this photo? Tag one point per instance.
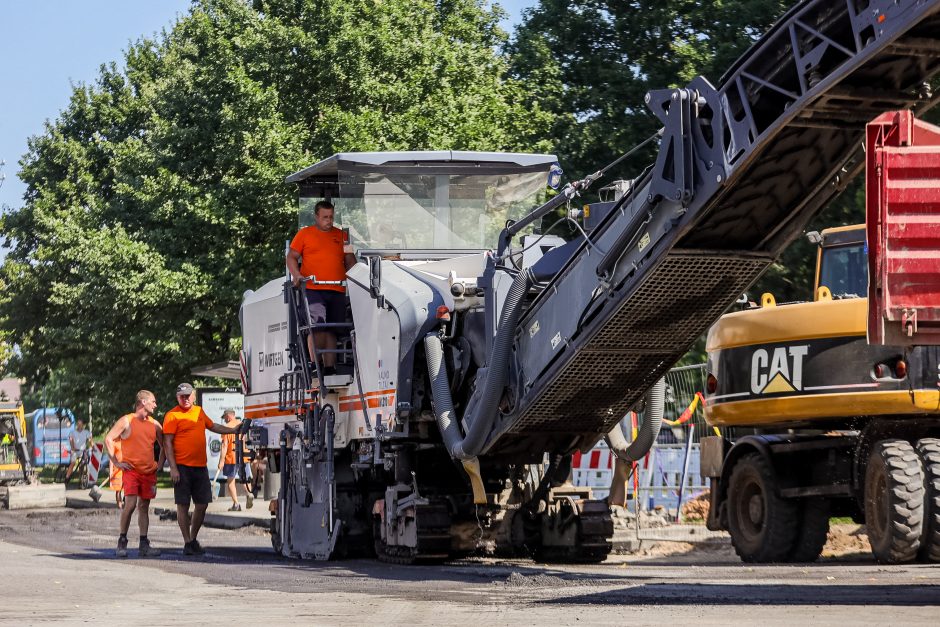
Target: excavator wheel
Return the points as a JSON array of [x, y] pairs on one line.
[[763, 526], [894, 501], [929, 450], [814, 530]]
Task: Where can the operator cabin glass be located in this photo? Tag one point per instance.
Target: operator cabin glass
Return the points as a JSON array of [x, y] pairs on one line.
[[844, 270], [401, 208]]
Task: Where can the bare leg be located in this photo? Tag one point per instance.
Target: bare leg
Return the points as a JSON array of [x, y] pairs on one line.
[[327, 341], [199, 512], [182, 518], [119, 498], [143, 516], [129, 506], [230, 486]]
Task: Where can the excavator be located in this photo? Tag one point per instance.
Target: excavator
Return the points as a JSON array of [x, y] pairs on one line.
[[840, 394], [479, 351], [15, 466]]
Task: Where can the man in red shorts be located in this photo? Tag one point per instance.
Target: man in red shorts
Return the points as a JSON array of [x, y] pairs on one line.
[[137, 433]]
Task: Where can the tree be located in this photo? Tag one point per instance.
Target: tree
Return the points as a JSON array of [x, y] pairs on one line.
[[157, 196], [591, 62]]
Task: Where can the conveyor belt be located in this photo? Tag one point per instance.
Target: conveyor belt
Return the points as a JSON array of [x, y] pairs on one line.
[[741, 170]]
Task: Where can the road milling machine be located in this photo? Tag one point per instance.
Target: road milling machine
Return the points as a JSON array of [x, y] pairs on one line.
[[478, 354], [842, 395]]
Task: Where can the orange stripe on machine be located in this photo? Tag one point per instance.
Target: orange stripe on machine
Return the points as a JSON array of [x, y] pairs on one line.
[[374, 400]]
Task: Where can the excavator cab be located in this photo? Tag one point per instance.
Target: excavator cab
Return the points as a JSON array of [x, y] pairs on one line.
[[14, 454], [842, 263]]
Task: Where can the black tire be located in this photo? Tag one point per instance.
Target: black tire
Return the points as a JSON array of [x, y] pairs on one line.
[[894, 501], [82, 471], [929, 451], [814, 530], [763, 526]]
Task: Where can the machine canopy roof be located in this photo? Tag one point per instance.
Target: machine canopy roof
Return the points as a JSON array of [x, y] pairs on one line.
[[427, 161]]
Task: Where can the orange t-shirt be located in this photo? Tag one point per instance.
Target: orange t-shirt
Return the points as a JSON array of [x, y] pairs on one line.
[[228, 441], [321, 254], [188, 429], [137, 447]]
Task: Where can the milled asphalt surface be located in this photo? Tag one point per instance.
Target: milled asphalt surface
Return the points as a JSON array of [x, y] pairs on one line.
[[58, 565]]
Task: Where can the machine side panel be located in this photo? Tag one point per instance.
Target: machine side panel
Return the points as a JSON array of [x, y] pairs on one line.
[[377, 344], [414, 303]]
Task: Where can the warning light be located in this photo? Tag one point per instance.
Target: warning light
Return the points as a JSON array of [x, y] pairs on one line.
[[443, 313], [900, 369], [711, 384], [881, 18]]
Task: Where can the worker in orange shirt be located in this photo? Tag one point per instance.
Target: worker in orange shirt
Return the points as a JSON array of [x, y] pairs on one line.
[[184, 429], [116, 477], [227, 463], [137, 432], [322, 250]]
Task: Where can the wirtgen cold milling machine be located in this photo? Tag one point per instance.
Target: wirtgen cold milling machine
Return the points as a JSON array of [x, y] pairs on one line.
[[475, 348]]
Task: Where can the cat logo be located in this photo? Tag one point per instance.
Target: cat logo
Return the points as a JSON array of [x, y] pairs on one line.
[[778, 371]]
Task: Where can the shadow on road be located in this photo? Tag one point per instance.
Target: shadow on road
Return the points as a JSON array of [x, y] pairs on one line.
[[759, 594]]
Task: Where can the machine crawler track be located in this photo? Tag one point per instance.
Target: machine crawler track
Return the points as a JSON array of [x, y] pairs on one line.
[[434, 541], [595, 529]]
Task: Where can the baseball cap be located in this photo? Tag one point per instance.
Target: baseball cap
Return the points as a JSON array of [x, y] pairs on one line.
[[184, 389]]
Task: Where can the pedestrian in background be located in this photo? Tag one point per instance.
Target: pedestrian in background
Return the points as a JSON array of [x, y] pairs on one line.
[[78, 441], [184, 429], [137, 433], [228, 466]]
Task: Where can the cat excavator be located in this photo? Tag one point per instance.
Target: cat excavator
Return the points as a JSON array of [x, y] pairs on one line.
[[479, 352]]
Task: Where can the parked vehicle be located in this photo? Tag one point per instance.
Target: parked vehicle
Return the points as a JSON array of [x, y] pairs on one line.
[[48, 435]]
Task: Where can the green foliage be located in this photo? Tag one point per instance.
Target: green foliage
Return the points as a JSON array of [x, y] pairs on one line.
[[591, 63], [157, 196]]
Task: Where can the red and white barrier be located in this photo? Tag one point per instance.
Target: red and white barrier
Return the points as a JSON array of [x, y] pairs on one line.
[[95, 460]]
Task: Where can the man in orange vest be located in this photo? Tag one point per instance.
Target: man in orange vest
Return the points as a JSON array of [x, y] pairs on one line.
[[228, 467], [184, 429], [137, 433], [321, 250]]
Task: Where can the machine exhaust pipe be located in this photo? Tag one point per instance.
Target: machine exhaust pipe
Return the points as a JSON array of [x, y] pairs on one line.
[[483, 406], [646, 437]]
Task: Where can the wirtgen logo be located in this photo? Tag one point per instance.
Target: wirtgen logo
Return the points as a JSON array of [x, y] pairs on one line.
[[777, 370]]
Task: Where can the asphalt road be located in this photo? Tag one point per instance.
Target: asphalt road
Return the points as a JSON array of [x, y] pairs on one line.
[[58, 566]]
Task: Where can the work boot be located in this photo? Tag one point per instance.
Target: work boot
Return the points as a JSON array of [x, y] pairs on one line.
[[145, 550], [121, 547], [193, 548], [251, 500]]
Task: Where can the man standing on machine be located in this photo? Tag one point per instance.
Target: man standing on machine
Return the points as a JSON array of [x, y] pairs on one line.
[[322, 251]]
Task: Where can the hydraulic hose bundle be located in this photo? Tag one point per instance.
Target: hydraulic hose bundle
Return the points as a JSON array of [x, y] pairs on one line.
[[646, 437], [483, 406]]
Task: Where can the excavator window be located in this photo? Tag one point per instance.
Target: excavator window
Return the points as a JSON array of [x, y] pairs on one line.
[[844, 270]]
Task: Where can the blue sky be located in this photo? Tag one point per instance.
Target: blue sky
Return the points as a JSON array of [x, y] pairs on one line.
[[48, 45]]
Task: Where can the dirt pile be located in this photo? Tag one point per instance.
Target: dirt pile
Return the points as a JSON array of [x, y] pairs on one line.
[[696, 510], [846, 540]]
